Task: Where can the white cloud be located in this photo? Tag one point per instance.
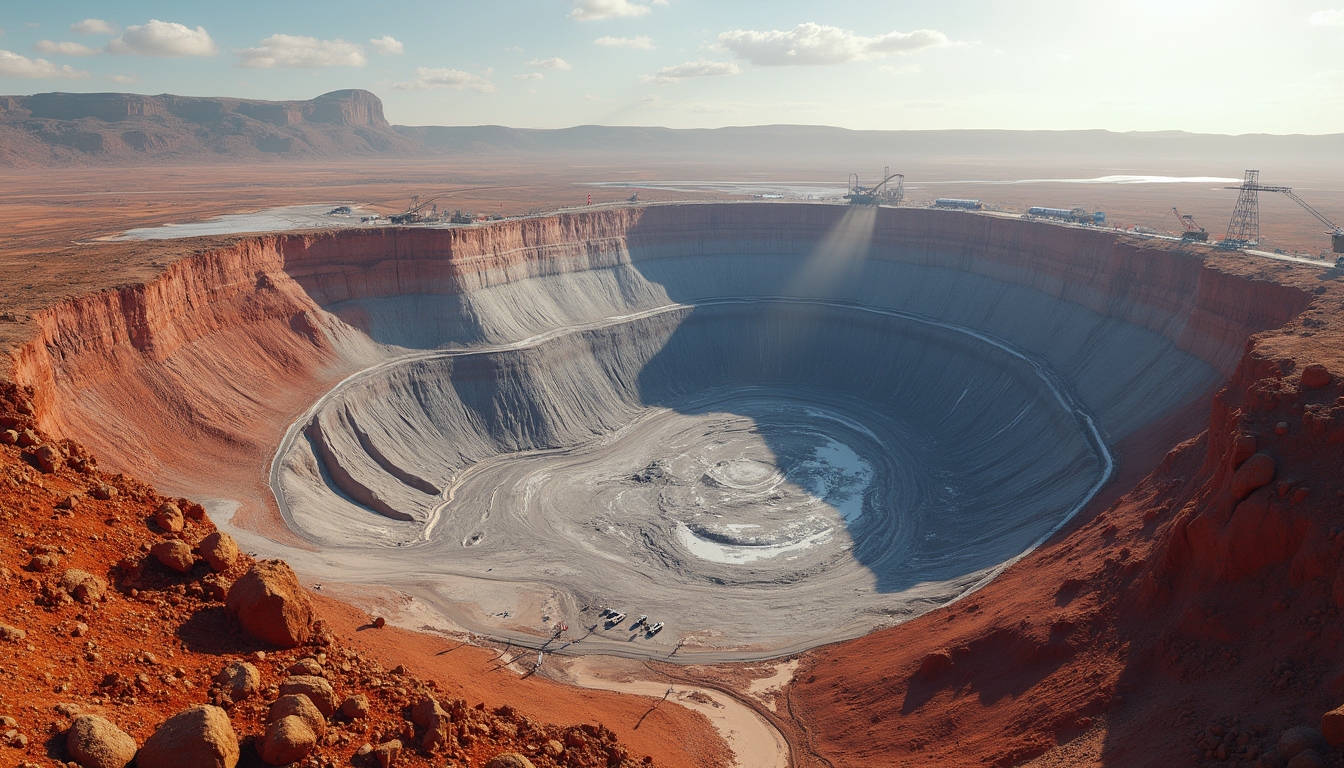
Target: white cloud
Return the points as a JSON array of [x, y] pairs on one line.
[[16, 65], [907, 70], [699, 68], [64, 49], [388, 45], [120, 79], [550, 64], [817, 44], [163, 38], [639, 41], [530, 76], [427, 79], [1326, 19], [301, 52], [93, 27], [594, 10]]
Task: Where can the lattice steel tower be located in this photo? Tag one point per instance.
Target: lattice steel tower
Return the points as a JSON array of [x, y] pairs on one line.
[[1244, 229]]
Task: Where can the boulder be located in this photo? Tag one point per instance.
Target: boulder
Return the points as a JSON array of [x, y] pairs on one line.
[[48, 458], [509, 760], [83, 586], [387, 753], [1309, 758], [103, 492], [1255, 472], [174, 554], [1332, 726], [1300, 739], [1315, 376], [169, 517], [317, 689], [11, 634], [219, 550], [271, 605], [191, 509], [287, 740], [298, 705], [425, 710], [355, 707], [94, 742], [306, 666], [200, 737], [239, 679]]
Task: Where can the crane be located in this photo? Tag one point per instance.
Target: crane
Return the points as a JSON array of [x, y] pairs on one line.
[[1244, 229], [1192, 230], [878, 194]]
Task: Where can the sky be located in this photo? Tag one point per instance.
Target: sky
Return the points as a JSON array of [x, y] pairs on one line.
[[1215, 66]]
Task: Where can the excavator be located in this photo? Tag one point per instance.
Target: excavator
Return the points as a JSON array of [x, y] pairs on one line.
[[1193, 232]]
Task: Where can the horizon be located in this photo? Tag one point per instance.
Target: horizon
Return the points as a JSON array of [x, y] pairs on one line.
[[674, 128], [1139, 66]]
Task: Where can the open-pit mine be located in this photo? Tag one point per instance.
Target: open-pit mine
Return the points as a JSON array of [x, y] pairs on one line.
[[768, 427]]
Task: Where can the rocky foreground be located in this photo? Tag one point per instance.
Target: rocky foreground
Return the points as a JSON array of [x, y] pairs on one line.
[[131, 629]]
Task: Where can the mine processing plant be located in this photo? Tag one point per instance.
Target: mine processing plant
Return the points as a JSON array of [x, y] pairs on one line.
[[883, 193], [1243, 231]]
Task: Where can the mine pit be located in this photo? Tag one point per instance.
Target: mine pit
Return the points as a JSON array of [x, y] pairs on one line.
[[768, 426]]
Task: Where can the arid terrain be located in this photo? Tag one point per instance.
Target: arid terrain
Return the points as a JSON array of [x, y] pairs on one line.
[[1187, 614]]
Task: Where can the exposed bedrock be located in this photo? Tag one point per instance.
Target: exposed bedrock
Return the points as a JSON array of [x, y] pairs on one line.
[[768, 425]]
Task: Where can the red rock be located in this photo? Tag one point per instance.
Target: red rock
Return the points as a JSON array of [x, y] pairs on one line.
[[298, 705], [219, 550], [200, 737], [169, 517], [287, 740], [271, 605], [1315, 376], [1332, 726], [174, 554], [1256, 472]]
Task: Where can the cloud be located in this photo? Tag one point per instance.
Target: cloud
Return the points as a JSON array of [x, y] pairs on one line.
[[64, 49], [550, 64], [388, 45], [907, 70], [1326, 19], [595, 10], [163, 38], [639, 41], [816, 44], [16, 65], [301, 52], [93, 27], [427, 79], [120, 79], [699, 68], [530, 76]]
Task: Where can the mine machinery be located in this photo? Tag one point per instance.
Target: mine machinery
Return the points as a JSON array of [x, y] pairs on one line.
[[1243, 231], [1193, 232], [415, 212], [883, 193]]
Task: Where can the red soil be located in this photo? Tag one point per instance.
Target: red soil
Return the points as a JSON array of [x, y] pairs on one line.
[[152, 645]]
